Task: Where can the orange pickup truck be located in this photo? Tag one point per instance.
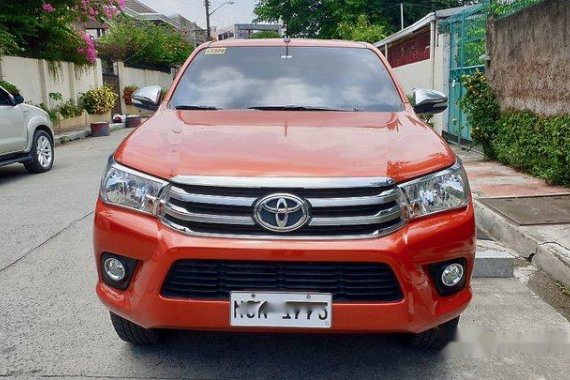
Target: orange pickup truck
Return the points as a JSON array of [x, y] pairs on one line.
[[285, 186]]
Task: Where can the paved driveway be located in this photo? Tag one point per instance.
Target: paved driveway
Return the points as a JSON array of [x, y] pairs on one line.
[[52, 325]]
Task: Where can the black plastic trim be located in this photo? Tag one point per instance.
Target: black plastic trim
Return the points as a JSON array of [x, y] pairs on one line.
[[130, 267], [437, 269]]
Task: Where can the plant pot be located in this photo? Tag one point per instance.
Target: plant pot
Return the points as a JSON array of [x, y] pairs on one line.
[[99, 129], [133, 121], [99, 118]]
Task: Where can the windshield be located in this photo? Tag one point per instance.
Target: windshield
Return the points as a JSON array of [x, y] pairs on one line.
[[274, 78]]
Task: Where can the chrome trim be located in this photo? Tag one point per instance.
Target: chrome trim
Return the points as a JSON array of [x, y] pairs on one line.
[[375, 235], [381, 217], [380, 199], [183, 195], [451, 169], [183, 214], [284, 182], [383, 196], [128, 170]]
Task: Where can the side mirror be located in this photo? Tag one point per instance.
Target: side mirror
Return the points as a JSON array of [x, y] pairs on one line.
[[429, 101], [18, 99], [147, 98]]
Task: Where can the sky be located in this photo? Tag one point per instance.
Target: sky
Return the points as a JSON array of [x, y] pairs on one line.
[[240, 12]]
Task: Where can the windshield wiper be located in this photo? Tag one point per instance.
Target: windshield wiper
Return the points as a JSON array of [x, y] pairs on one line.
[[294, 107], [190, 107]]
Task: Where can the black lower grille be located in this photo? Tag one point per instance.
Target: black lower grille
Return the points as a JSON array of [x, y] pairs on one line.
[[215, 279]]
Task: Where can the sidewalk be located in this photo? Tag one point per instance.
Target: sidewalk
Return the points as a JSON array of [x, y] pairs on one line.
[[65, 137], [533, 227]]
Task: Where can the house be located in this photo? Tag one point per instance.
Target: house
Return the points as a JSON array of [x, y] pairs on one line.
[[194, 34], [139, 11]]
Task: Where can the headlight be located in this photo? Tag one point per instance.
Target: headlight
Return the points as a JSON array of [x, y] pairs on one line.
[[437, 192], [128, 188]]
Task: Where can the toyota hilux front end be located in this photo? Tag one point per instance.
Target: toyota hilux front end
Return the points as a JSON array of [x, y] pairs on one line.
[[285, 186]]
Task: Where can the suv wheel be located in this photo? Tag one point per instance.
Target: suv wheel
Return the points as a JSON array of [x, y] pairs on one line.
[[42, 153], [436, 338], [133, 333]]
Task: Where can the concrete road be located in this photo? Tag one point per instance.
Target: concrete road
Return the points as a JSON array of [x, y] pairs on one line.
[[52, 325]]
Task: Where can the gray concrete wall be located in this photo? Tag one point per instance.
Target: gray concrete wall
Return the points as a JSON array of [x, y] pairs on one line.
[[530, 55]]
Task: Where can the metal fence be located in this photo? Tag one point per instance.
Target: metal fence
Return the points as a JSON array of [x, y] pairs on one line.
[[467, 40]]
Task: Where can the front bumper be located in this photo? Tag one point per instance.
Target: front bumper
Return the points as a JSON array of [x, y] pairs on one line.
[[408, 251]]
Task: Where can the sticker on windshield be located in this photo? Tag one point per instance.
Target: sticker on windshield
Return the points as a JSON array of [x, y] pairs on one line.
[[215, 51]]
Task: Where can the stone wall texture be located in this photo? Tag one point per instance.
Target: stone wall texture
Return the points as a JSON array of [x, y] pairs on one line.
[[529, 54]]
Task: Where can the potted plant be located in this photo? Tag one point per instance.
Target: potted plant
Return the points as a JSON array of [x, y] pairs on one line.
[[128, 94], [99, 101]]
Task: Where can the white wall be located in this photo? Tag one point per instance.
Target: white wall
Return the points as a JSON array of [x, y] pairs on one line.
[[414, 75], [427, 74], [36, 78]]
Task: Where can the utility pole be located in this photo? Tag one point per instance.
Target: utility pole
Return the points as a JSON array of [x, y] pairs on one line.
[[207, 4], [401, 15], [208, 14]]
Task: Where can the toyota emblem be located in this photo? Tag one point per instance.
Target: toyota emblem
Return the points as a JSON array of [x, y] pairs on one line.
[[281, 212]]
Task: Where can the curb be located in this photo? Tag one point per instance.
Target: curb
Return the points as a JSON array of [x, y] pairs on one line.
[[493, 260], [64, 138], [548, 256]]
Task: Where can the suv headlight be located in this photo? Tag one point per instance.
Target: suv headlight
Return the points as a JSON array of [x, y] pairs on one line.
[[125, 187], [441, 191]]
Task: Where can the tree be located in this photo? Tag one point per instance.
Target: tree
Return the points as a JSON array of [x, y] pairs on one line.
[[265, 34], [362, 30], [323, 18], [49, 29], [143, 44]]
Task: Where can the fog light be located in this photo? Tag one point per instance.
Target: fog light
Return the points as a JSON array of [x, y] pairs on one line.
[[452, 274], [114, 269]]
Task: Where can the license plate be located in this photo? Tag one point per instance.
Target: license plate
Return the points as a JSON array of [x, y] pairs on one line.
[[303, 310]]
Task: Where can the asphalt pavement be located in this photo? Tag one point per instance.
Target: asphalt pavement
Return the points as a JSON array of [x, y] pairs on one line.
[[52, 324]]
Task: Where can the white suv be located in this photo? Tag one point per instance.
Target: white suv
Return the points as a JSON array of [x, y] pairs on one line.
[[26, 134]]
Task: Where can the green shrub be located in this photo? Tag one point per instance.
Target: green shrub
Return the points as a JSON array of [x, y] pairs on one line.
[[12, 89], [265, 34], [51, 112], [483, 110], [99, 100], [536, 145], [69, 109], [521, 139]]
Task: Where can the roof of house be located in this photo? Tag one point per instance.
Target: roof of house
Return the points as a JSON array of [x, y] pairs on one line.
[[138, 7], [140, 11], [422, 23]]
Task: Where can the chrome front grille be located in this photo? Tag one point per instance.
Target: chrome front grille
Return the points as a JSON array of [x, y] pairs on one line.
[[338, 208]]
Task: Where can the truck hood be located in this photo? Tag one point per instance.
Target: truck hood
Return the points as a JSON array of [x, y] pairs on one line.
[[284, 144]]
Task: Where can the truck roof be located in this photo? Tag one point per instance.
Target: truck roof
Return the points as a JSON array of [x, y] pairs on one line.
[[294, 42]]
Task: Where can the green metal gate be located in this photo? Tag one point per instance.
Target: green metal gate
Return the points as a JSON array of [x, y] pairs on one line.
[[467, 38]]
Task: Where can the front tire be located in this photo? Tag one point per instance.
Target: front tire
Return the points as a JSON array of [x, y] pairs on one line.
[[436, 338], [133, 333], [42, 153]]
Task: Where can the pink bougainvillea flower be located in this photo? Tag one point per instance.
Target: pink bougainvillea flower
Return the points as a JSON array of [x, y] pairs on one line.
[[47, 7], [89, 50]]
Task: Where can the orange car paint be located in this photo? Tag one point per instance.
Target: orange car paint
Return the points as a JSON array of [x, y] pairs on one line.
[[302, 144]]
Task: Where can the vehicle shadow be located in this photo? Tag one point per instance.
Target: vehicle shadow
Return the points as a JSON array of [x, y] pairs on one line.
[[225, 355], [12, 173]]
